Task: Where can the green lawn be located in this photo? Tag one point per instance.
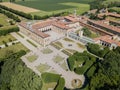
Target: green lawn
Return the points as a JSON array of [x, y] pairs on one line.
[[32, 58], [81, 46], [20, 35], [58, 59], [14, 48], [46, 51], [47, 7], [58, 43], [43, 68], [48, 85], [71, 50], [113, 18], [6, 38], [31, 43], [4, 20], [64, 66], [67, 39]]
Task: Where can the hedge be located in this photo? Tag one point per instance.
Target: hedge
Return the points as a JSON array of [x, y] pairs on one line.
[[10, 15], [61, 84], [71, 63], [84, 68], [6, 30]]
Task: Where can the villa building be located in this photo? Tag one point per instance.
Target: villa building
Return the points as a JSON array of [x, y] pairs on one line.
[[46, 31]]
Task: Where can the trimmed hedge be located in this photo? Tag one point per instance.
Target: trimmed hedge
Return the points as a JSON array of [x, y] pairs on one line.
[[6, 30], [84, 68], [71, 63], [61, 84], [50, 77]]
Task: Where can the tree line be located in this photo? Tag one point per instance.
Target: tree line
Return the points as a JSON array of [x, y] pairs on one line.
[[25, 15], [10, 15], [6, 30], [99, 4], [35, 17], [106, 74]]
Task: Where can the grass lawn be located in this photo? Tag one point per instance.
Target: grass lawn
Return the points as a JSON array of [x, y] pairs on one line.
[[6, 38], [81, 46], [14, 48], [64, 66], [71, 50], [53, 71], [58, 43], [4, 20], [56, 6], [94, 35], [32, 58], [58, 59], [56, 46], [32, 43], [67, 39], [48, 85], [113, 18], [43, 68], [20, 34], [46, 51]]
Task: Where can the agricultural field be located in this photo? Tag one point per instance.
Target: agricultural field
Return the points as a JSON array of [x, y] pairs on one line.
[[19, 7], [48, 7]]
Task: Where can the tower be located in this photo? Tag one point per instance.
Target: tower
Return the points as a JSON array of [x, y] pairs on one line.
[[75, 13], [81, 33]]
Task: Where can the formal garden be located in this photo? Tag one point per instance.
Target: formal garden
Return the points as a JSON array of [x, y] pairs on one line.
[[32, 58], [46, 51], [53, 81], [43, 67]]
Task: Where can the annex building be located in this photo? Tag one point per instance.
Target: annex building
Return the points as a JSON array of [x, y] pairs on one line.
[[46, 31]]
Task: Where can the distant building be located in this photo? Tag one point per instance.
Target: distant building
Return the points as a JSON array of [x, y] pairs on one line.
[[107, 41]]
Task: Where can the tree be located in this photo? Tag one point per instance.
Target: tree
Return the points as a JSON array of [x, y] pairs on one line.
[[16, 76], [86, 32]]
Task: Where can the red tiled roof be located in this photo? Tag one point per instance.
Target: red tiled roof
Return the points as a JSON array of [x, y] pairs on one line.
[[61, 25], [101, 23], [42, 24], [103, 37], [115, 15], [71, 18], [41, 34], [107, 39]]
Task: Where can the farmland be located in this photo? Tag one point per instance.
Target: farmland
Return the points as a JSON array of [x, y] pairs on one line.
[[48, 7], [19, 7]]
